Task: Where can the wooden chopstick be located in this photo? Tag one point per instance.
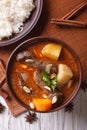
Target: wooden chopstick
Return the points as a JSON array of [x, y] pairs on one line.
[[64, 21], [71, 23], [74, 11]]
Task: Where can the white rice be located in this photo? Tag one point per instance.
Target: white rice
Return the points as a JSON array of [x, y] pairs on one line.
[[13, 14]]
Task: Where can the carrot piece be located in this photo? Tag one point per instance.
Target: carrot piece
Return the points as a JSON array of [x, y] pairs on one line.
[[42, 104]]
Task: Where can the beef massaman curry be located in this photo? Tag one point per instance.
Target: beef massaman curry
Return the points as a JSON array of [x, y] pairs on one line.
[[44, 75]]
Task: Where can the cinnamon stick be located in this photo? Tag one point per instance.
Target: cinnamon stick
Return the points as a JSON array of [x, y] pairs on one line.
[[75, 11], [2, 72], [2, 80], [71, 23]]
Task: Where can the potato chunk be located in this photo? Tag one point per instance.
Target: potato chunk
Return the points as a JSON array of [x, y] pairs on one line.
[[64, 74], [52, 50]]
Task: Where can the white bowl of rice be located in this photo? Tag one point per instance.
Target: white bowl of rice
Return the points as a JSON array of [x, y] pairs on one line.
[[17, 19]]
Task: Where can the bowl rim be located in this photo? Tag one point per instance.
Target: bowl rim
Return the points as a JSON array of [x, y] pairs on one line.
[[43, 39], [28, 30]]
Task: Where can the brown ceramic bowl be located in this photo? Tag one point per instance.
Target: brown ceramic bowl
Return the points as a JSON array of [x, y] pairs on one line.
[[28, 25], [42, 40]]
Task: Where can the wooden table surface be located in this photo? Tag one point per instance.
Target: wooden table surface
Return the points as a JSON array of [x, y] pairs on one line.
[[77, 39]]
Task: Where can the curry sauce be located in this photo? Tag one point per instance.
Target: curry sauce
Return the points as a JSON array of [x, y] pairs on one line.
[[65, 58]]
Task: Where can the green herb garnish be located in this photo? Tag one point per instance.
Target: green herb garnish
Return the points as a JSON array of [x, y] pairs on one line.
[[45, 78], [52, 83]]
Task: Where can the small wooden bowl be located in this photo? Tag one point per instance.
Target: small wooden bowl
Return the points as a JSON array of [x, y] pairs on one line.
[[28, 25], [40, 40]]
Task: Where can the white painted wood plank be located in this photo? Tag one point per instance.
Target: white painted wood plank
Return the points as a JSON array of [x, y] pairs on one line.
[[77, 120], [61, 119], [52, 121], [4, 118], [83, 110], [68, 121], [76, 113]]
